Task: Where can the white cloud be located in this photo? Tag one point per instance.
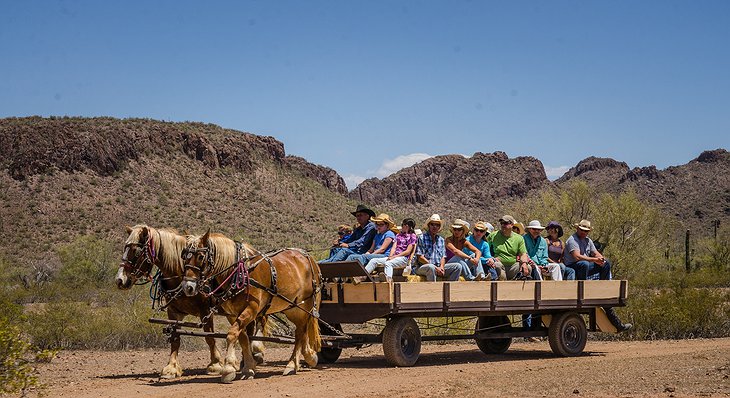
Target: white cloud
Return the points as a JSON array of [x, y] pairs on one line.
[[390, 166], [553, 173], [353, 181]]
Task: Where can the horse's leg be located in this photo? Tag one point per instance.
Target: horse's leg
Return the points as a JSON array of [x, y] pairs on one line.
[[232, 320], [257, 347], [215, 365], [300, 335], [173, 368], [238, 332]]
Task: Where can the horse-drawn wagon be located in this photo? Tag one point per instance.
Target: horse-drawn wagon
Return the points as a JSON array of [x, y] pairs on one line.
[[562, 306]]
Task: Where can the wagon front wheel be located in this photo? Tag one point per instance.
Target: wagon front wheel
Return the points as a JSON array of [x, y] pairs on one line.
[[329, 354], [568, 334], [493, 324], [401, 341]]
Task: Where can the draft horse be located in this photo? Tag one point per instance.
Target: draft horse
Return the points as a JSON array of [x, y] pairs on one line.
[[146, 248], [250, 284]]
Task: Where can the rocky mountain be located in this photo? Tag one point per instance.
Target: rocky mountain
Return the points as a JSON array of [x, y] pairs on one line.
[[61, 178], [454, 185], [698, 191]]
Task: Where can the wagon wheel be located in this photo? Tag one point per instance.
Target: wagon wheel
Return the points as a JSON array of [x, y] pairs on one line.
[[567, 334], [329, 354], [493, 346], [401, 341]]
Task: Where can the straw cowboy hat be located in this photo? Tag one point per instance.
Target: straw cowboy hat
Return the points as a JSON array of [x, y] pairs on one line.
[[382, 217], [535, 224], [584, 225], [459, 224], [555, 224], [363, 209], [434, 219], [482, 226], [520, 227]]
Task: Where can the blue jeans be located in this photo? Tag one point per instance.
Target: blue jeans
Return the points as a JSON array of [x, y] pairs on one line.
[[363, 258], [465, 270], [338, 254], [568, 273], [588, 270], [491, 271], [452, 271]]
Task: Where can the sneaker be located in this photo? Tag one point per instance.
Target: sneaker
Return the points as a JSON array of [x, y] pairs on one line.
[[480, 277], [533, 339], [356, 280], [624, 327], [384, 278]]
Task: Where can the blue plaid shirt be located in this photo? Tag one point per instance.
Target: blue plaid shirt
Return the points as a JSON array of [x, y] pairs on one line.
[[433, 251]]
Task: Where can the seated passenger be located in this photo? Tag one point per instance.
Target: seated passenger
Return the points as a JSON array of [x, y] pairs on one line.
[[343, 232], [431, 254], [477, 238], [404, 246], [538, 251], [359, 241], [384, 238], [461, 251], [582, 256], [555, 249], [509, 250]]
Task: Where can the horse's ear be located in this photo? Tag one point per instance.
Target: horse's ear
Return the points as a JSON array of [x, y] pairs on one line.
[[128, 229], [185, 232], [145, 231], [206, 236]]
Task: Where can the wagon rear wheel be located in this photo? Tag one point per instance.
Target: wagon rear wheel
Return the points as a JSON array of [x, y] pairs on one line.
[[568, 334], [401, 341], [329, 354], [493, 324]]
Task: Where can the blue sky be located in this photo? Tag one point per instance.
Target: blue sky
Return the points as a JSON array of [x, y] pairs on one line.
[[371, 86]]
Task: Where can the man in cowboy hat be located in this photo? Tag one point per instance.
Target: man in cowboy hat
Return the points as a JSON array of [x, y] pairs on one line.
[[431, 253], [582, 256], [359, 241], [509, 250], [537, 250]]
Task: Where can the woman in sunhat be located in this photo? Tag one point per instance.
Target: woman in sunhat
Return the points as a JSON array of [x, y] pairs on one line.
[[461, 251], [384, 238]]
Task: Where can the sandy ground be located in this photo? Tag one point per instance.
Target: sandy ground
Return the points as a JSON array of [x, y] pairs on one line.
[[617, 369]]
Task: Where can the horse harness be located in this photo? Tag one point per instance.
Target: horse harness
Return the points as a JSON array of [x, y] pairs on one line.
[[239, 280], [148, 256]]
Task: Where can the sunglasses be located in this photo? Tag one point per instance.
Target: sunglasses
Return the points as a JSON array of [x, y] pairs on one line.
[[505, 222], [479, 230], [341, 233]]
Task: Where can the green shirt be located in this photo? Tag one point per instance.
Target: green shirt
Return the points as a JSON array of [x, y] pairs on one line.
[[507, 249]]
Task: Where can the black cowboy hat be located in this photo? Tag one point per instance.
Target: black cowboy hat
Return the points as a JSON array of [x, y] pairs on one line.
[[363, 209]]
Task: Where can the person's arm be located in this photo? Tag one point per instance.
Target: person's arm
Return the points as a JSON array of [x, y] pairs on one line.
[[541, 255], [365, 240], [477, 253], [383, 247], [420, 251]]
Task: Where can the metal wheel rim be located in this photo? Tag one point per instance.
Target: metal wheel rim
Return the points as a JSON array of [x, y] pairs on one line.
[[408, 342], [571, 336]]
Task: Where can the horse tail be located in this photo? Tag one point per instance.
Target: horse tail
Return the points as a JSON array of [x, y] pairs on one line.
[[315, 339]]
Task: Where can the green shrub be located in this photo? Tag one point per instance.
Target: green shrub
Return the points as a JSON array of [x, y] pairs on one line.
[[16, 354], [678, 313]]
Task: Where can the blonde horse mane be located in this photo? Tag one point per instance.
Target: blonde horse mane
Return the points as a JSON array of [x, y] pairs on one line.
[[224, 249], [167, 244]]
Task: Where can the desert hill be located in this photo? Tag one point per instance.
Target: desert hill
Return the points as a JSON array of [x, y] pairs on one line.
[[485, 185], [698, 191], [61, 178]]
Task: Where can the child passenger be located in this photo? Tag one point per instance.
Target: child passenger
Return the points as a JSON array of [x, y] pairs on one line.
[[399, 254]]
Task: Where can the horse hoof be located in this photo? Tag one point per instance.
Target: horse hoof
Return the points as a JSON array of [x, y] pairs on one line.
[[312, 361], [214, 368], [259, 358], [247, 374], [290, 371], [228, 378], [170, 372]]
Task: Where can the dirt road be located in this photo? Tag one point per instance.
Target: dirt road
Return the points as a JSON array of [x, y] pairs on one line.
[[617, 369]]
